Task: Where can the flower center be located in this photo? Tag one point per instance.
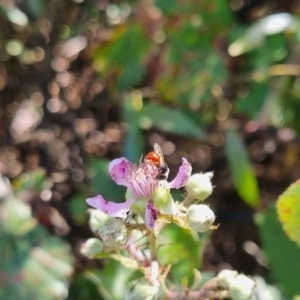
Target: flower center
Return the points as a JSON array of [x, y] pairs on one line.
[[143, 180]]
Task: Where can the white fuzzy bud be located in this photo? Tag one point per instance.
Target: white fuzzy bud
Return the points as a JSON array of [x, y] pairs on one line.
[[92, 247], [97, 219], [114, 233], [199, 186], [141, 289], [226, 277], [200, 217], [242, 288], [163, 200]]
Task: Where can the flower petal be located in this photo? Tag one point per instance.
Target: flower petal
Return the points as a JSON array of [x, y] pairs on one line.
[[113, 209], [182, 176], [150, 215], [118, 170]]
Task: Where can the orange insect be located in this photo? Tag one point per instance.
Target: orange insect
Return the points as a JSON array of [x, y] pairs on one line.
[[156, 157]]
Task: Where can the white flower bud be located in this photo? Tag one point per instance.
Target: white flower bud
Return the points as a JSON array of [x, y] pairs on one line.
[[163, 200], [225, 277], [200, 217], [92, 247], [141, 289], [114, 233], [97, 219], [199, 186], [242, 288]]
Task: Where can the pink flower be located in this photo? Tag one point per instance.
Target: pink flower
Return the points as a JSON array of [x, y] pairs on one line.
[[141, 181]]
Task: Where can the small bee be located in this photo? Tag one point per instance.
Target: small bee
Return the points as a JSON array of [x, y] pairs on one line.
[[156, 157]]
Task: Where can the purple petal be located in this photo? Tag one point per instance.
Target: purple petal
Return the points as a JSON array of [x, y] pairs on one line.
[[118, 170], [150, 215], [182, 176], [111, 208]]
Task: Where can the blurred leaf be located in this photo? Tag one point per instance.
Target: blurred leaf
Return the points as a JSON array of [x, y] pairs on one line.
[[171, 7], [282, 253], [211, 11], [37, 7], [77, 206], [134, 143], [169, 120], [241, 170], [111, 280], [182, 249], [33, 180], [187, 43], [288, 209], [125, 55], [102, 182], [254, 100], [16, 16], [38, 264], [255, 36], [266, 291], [82, 288]]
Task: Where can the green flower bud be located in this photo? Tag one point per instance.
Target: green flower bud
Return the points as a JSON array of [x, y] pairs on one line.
[[141, 289], [97, 219], [199, 186], [162, 199], [92, 247], [114, 233], [200, 217], [242, 288], [225, 277]]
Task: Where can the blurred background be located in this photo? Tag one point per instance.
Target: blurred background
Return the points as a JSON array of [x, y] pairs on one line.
[[85, 81]]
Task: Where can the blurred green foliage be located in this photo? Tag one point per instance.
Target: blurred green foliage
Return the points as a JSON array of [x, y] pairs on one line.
[[189, 70], [34, 264]]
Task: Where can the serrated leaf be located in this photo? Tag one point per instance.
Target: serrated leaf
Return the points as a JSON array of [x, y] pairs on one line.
[[241, 170], [283, 254], [288, 209], [169, 120]]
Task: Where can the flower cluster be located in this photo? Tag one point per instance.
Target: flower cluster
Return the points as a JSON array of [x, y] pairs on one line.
[[148, 207], [151, 196]]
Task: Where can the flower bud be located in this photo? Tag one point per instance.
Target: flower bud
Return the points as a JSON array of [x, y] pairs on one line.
[[200, 217], [199, 186], [114, 233], [242, 288], [163, 200], [141, 289], [92, 247], [225, 277], [97, 219]]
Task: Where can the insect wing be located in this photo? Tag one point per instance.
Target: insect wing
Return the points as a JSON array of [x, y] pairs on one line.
[[159, 152]]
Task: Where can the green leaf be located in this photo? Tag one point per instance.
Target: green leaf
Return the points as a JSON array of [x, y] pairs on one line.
[[102, 182], [34, 265], [134, 143], [283, 254], [252, 103], [111, 280], [182, 249], [169, 120], [125, 55], [77, 206], [255, 36], [288, 209], [241, 170]]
